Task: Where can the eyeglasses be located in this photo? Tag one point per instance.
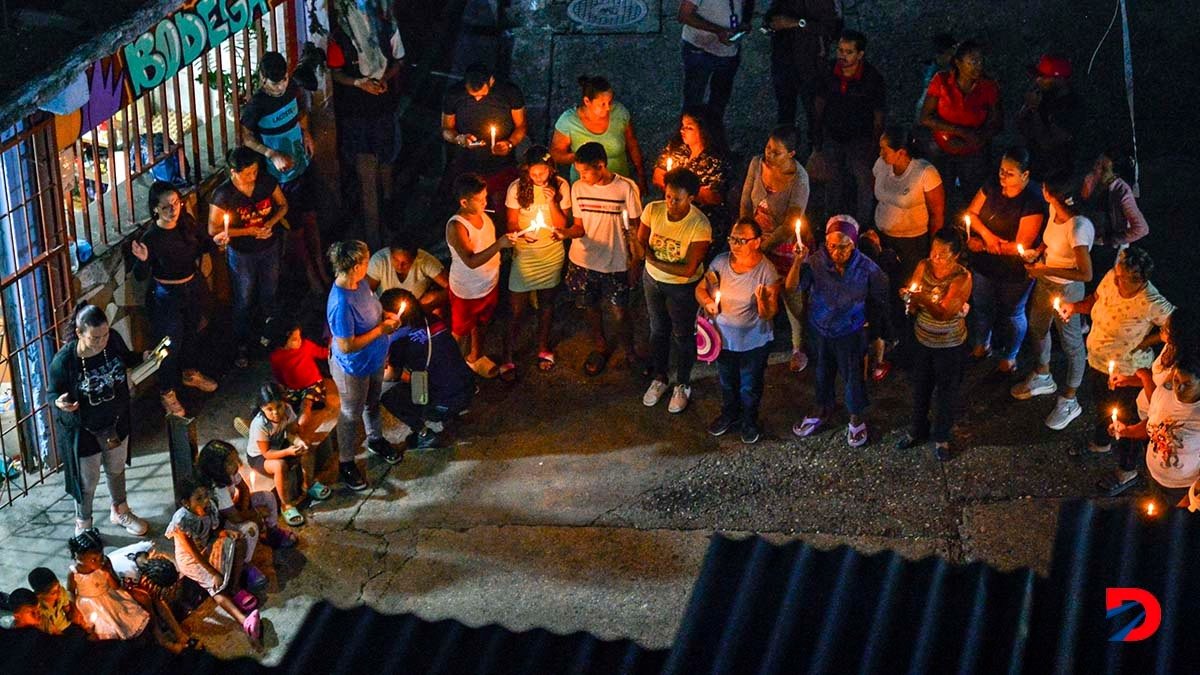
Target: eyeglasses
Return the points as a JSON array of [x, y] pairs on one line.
[[839, 247], [741, 241]]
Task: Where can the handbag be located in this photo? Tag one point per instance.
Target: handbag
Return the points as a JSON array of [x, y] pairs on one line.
[[708, 339], [419, 379]]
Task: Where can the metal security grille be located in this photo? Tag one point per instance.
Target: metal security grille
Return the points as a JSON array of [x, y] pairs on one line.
[[607, 13]]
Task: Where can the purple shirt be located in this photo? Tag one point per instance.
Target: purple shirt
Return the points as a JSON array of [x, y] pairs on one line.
[[838, 304]]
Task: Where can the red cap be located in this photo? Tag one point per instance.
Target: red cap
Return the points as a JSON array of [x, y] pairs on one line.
[[1052, 66]]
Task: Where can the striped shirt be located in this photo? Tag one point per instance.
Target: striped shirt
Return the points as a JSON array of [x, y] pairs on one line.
[[935, 333], [603, 246]]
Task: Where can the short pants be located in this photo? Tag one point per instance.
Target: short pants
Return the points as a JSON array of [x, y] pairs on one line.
[[468, 313], [314, 393], [591, 287]]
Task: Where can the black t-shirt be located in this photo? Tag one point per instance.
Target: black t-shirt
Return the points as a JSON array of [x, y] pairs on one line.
[[251, 211], [1050, 157], [350, 101], [478, 117], [850, 104], [275, 120], [1002, 215], [451, 381], [173, 252], [98, 384]]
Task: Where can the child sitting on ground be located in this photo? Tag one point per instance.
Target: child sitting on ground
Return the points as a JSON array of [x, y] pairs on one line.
[[229, 480], [24, 607], [295, 364], [208, 555], [107, 609], [218, 463], [274, 439], [58, 614], [426, 346]]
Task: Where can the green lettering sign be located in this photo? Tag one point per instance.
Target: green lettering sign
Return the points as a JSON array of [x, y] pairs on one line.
[[146, 67]]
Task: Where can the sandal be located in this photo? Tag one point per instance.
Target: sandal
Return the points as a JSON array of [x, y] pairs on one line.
[[881, 370], [484, 367], [856, 435], [984, 354], [253, 625], [318, 492], [799, 361], [545, 361], [508, 372], [595, 363], [1112, 486], [292, 516], [246, 601], [807, 427]]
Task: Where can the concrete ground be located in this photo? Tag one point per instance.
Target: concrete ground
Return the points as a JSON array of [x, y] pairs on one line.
[[563, 502]]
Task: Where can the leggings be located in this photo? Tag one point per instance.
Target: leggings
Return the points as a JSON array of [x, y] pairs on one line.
[[114, 474]]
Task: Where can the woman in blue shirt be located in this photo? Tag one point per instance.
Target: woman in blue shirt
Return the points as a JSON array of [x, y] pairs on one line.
[[357, 356]]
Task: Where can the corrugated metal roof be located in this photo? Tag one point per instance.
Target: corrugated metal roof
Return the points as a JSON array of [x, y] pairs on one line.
[[337, 641]]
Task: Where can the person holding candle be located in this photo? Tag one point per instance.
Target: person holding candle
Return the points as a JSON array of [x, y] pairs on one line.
[[599, 119], [1066, 267], [741, 291], [485, 121], [536, 205], [168, 252], [1171, 431], [963, 110], [675, 236], [937, 295], [404, 265], [245, 209], [357, 356], [840, 280], [775, 195], [699, 145], [1127, 311], [1007, 215], [604, 260]]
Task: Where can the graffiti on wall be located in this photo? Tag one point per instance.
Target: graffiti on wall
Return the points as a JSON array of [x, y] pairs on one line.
[[156, 56]]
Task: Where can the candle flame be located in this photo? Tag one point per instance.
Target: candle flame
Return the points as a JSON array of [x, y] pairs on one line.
[[1057, 303], [670, 163], [717, 297], [403, 306], [1020, 250], [1112, 365], [913, 287], [1151, 507], [799, 228], [1114, 414]]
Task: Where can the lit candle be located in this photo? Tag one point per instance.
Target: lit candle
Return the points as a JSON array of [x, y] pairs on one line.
[[913, 287], [670, 163], [403, 306], [1151, 507], [625, 219], [227, 226], [967, 220], [1021, 250], [493, 137], [1114, 414], [717, 300], [799, 228], [1057, 304], [1112, 365]]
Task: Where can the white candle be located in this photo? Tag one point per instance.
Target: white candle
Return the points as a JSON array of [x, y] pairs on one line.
[[717, 300], [403, 306], [799, 227], [1057, 304], [625, 219], [1112, 365], [1021, 251], [670, 163], [493, 137], [967, 220], [227, 226], [1114, 414]]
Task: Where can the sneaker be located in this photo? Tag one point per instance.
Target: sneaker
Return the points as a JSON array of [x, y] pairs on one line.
[[1034, 385], [944, 452], [1065, 410], [422, 440], [240, 426], [679, 398], [720, 425], [750, 433], [351, 476], [121, 515], [170, 403], [82, 525], [385, 450], [198, 380], [654, 393]]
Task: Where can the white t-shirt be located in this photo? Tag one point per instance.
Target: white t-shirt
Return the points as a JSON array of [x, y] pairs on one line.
[[424, 269], [1173, 449], [902, 211], [1162, 378], [715, 11], [670, 239], [1061, 240], [262, 430], [468, 283], [1120, 324], [603, 246]]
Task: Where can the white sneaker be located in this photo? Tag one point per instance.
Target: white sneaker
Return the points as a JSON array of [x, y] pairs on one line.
[[1065, 410], [198, 380], [127, 519], [82, 525], [679, 398], [1034, 385], [170, 403], [654, 393]]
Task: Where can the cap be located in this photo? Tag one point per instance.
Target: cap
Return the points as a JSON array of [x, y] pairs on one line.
[[1051, 65]]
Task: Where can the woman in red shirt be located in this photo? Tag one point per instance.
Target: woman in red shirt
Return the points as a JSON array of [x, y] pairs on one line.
[[962, 109]]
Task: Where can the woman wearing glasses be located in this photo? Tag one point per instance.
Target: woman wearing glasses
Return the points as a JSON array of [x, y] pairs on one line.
[[90, 390], [748, 299]]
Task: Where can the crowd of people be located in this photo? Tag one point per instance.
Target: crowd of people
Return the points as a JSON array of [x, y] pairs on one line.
[[940, 249]]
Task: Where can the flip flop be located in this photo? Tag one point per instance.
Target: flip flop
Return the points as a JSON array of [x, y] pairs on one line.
[[246, 601], [807, 427], [319, 492], [253, 625], [856, 435], [881, 370], [1112, 486], [484, 367], [508, 372], [595, 363], [545, 361], [292, 516]]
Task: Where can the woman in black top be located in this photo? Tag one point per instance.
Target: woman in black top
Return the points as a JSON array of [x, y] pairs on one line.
[[1005, 214], [90, 390], [168, 252], [699, 145]]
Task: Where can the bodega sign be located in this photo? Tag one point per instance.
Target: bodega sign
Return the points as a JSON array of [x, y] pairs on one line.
[[159, 53]]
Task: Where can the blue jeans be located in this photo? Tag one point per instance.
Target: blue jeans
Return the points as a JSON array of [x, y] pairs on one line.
[[254, 278], [998, 314], [672, 309], [840, 356], [703, 71], [741, 378], [175, 310]]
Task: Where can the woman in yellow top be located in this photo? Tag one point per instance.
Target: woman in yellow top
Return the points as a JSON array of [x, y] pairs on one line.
[[675, 236]]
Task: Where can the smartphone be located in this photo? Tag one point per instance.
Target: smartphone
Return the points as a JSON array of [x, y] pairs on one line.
[[738, 35]]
